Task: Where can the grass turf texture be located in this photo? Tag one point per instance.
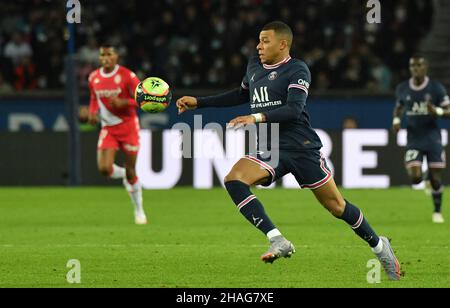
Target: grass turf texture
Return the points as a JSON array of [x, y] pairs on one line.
[[197, 238]]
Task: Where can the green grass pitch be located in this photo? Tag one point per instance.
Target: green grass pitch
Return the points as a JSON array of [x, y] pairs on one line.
[[197, 238]]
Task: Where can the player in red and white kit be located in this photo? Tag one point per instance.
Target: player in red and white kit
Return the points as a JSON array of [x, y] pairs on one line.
[[112, 101]]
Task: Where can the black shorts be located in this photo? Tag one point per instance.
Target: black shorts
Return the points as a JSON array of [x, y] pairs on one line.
[[436, 157], [309, 168]]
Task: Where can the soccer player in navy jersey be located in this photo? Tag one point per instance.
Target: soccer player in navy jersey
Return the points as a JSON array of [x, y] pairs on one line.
[[424, 100], [277, 88]]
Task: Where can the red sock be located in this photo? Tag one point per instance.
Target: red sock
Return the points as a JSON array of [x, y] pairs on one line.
[[133, 180]]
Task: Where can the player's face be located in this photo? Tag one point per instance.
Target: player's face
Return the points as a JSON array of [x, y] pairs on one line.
[[418, 68], [269, 47], [108, 58]]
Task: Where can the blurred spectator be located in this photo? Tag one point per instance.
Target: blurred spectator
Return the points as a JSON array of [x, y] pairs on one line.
[[349, 123], [206, 43], [5, 88], [83, 115], [88, 54], [25, 76], [381, 75], [17, 49]]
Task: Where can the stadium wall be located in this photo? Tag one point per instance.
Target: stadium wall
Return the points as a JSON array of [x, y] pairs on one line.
[[361, 158], [47, 114]]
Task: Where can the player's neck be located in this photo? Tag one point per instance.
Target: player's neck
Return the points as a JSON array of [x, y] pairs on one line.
[[279, 59], [108, 70], [418, 81]]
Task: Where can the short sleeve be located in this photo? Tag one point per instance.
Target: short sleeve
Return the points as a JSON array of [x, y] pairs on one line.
[[398, 97], [443, 99], [244, 84]]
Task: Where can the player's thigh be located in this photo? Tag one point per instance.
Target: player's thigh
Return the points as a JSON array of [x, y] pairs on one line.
[[105, 158], [107, 147], [413, 163], [260, 169], [437, 158], [248, 172]]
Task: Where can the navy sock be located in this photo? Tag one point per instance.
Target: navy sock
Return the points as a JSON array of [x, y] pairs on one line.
[[249, 206], [437, 200], [355, 218]]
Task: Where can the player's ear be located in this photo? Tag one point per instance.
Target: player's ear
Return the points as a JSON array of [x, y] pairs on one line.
[[284, 44]]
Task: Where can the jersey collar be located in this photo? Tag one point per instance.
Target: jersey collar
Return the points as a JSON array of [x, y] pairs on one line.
[[420, 87], [107, 75], [273, 66]]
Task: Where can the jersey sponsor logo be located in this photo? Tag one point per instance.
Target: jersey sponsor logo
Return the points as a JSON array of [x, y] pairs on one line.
[[108, 93], [260, 95], [273, 76], [303, 83], [418, 108]]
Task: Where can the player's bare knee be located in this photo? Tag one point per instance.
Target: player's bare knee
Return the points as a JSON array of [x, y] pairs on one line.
[[105, 170], [416, 180], [436, 184], [335, 206], [234, 176]]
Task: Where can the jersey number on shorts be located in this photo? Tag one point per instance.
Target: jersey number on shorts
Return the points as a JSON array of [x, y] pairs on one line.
[[411, 155]]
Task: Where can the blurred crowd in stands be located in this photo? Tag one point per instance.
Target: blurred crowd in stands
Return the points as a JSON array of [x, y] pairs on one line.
[[205, 43]]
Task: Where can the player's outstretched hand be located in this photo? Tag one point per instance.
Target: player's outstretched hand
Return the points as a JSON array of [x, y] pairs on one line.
[[118, 102], [92, 119], [186, 103], [239, 122], [396, 128], [431, 108]]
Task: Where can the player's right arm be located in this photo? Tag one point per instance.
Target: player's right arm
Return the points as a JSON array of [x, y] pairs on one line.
[[443, 108], [398, 111], [93, 105], [231, 98]]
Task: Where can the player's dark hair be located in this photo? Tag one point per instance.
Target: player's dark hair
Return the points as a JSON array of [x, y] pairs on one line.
[[107, 44], [280, 28], [419, 56]]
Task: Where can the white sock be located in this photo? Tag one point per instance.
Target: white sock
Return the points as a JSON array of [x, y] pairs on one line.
[[273, 233], [135, 192], [377, 249], [117, 172]]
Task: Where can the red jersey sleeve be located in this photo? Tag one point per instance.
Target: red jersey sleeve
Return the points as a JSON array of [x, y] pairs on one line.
[[93, 104]]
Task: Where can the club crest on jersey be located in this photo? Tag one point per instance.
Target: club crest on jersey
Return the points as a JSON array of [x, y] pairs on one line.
[[96, 80], [117, 79], [273, 76]]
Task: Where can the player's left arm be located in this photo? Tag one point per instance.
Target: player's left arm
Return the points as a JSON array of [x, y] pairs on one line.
[[131, 83], [296, 101], [443, 110]]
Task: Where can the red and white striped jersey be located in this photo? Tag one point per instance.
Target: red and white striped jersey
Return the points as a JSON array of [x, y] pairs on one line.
[[121, 82]]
